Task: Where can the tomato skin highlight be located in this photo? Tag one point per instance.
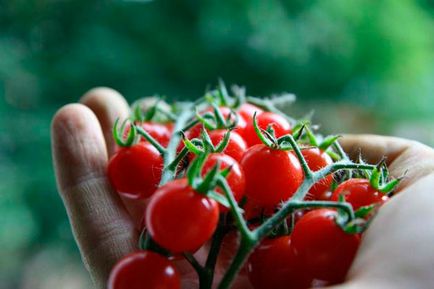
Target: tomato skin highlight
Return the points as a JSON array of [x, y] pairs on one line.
[[180, 219], [322, 247], [236, 180], [236, 145], [135, 171], [272, 175], [359, 193], [279, 124], [144, 270], [316, 160], [274, 265]]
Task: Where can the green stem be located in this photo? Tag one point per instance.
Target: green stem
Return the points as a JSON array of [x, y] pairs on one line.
[[152, 140], [235, 210], [194, 263], [174, 165], [337, 146], [251, 239], [246, 246], [289, 138], [170, 154], [211, 261]]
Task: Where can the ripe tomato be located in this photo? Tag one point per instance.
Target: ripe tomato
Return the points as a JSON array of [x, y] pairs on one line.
[[280, 125], [144, 270], [240, 128], [235, 179], [322, 247], [272, 175], [247, 111], [359, 193], [158, 131], [136, 171], [273, 264], [180, 219], [236, 145], [316, 160]]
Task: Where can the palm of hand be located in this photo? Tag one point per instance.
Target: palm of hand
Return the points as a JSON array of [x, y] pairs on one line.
[[395, 253]]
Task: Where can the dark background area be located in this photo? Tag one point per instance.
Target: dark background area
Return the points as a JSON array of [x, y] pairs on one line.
[[363, 66]]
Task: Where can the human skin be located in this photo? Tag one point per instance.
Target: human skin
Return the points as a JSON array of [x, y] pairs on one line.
[[396, 251]]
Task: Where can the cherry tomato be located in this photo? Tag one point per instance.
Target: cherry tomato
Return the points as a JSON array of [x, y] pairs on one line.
[[359, 193], [158, 131], [235, 179], [136, 171], [180, 219], [144, 270], [272, 175], [273, 264], [236, 145], [247, 111], [322, 247], [316, 160], [279, 124], [240, 128]]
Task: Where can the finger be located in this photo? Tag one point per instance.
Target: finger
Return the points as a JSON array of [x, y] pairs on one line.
[[101, 226], [108, 105], [411, 158]]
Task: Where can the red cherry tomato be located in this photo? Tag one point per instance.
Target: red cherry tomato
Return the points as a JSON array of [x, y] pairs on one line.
[[158, 131], [180, 219], [235, 179], [359, 193], [279, 124], [240, 128], [322, 247], [136, 171], [236, 145], [247, 111], [316, 160], [274, 265], [144, 270], [272, 175]]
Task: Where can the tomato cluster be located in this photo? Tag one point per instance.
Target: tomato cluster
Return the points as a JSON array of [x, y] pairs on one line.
[[235, 166]]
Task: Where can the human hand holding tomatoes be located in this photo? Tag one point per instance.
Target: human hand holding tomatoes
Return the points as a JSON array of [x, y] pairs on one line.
[[395, 252]]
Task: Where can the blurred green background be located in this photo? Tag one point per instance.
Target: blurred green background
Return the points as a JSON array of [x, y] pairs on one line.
[[362, 65]]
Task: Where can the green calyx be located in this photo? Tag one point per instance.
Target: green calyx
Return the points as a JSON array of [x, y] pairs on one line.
[[379, 179], [206, 185], [198, 146], [119, 134], [266, 136], [152, 109]]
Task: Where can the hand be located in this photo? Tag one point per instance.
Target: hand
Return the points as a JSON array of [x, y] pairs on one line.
[[396, 251]]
